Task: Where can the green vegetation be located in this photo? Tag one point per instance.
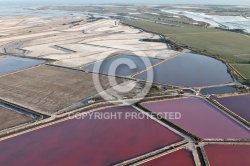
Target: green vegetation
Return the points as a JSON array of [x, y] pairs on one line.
[[182, 21], [244, 56], [165, 29], [243, 69], [230, 47], [226, 44]]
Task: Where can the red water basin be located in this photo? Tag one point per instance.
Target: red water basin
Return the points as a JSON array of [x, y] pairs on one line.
[[177, 158], [200, 118], [229, 155], [88, 141], [238, 104]]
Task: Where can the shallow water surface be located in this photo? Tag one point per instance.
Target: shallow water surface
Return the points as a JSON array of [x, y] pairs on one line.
[[229, 155], [11, 63], [190, 70], [231, 22], [237, 104], [88, 141], [200, 118], [137, 64], [180, 157], [218, 90], [35, 11]]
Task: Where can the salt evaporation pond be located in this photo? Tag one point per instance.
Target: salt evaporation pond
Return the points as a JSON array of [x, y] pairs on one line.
[[180, 157], [218, 90], [200, 118], [89, 141], [190, 70], [229, 155], [123, 69], [237, 104], [231, 22], [34, 11], [11, 63]]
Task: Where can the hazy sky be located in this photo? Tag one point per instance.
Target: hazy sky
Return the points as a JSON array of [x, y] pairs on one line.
[[64, 2]]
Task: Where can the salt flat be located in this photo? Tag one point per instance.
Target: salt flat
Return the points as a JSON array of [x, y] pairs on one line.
[[76, 41]]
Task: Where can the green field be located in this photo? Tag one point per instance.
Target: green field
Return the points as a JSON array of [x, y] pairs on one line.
[[244, 70], [165, 29], [228, 45], [233, 48], [166, 19]]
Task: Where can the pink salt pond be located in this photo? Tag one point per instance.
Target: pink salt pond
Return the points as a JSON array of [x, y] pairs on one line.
[[199, 118], [229, 155], [177, 158], [88, 141], [240, 105]]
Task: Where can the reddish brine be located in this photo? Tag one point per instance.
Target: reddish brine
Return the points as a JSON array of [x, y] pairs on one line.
[[177, 158], [87, 141], [237, 104], [229, 155], [200, 118]]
